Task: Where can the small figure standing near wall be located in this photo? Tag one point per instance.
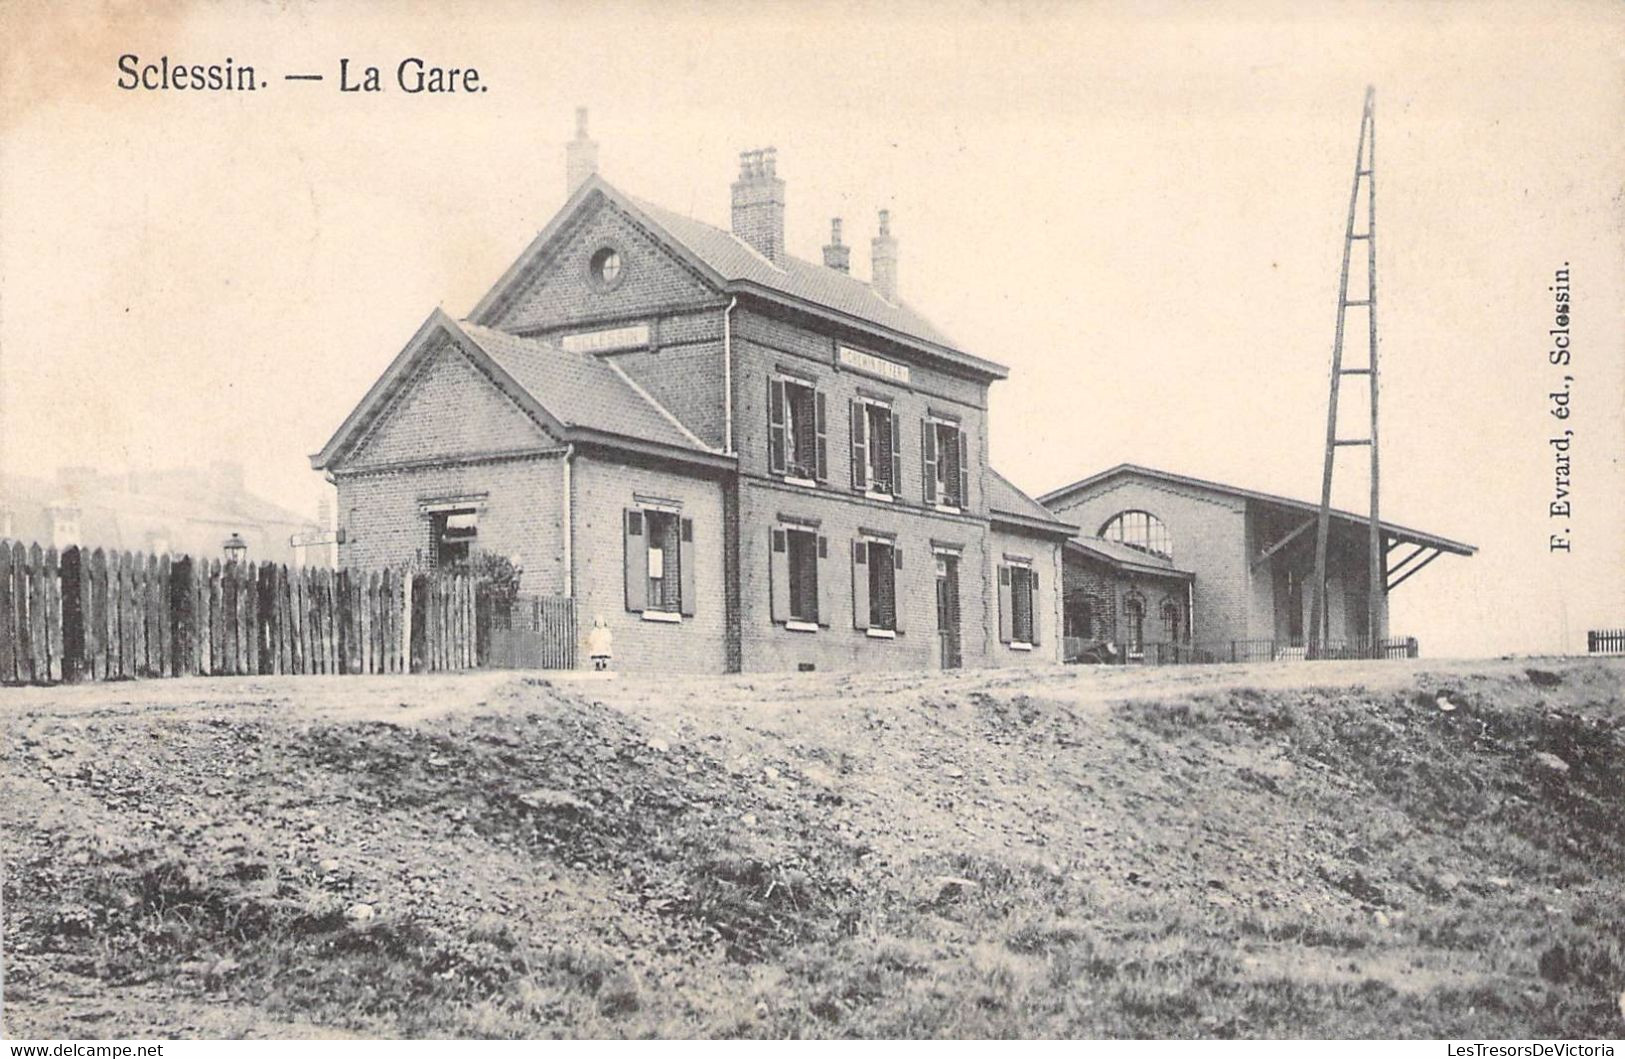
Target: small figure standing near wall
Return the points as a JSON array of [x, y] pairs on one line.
[[600, 644]]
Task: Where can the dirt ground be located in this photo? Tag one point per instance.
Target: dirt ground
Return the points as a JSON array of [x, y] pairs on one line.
[[1330, 849]]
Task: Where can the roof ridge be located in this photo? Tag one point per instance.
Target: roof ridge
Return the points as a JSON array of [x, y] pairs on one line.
[[656, 405]]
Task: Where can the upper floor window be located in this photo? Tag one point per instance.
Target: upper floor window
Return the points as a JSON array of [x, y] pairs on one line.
[[796, 430], [606, 267], [877, 457], [1139, 529], [943, 448]]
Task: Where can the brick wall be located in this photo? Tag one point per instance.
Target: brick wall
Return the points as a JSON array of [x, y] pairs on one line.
[[448, 410], [839, 644], [518, 501], [603, 489], [1045, 556], [1210, 538], [1094, 580], [682, 367], [561, 292], [762, 344]]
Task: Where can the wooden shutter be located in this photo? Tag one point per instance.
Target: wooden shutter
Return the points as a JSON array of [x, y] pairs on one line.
[[928, 459], [775, 426], [1007, 618], [860, 584], [685, 568], [963, 473], [778, 566], [1032, 606], [860, 448], [896, 455], [823, 440], [637, 561], [897, 588], [826, 583]]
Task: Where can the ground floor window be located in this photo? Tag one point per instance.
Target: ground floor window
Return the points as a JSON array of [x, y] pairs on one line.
[[802, 558], [1018, 604], [452, 535], [875, 564], [665, 561], [1173, 621], [659, 546], [796, 557]]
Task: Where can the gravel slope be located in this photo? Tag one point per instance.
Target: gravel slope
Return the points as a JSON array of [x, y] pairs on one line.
[[1275, 850]]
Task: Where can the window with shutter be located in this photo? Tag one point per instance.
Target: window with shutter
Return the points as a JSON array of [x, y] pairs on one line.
[[944, 445], [884, 560], [1021, 605], [880, 455], [803, 429], [802, 562]]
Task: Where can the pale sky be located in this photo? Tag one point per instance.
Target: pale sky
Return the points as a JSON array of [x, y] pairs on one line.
[[1141, 214]]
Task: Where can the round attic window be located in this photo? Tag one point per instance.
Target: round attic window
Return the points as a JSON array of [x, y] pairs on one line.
[[606, 267]]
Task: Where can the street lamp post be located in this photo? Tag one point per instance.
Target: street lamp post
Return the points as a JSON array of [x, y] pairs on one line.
[[235, 547]]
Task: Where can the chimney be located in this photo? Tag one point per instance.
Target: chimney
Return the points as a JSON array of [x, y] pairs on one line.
[[883, 251], [580, 155], [837, 256], [758, 204]]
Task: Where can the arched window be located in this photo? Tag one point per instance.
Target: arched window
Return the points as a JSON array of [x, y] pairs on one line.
[[1172, 621], [1139, 529], [1134, 618]]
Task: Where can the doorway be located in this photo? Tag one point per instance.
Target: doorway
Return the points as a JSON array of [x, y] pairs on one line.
[[948, 610]]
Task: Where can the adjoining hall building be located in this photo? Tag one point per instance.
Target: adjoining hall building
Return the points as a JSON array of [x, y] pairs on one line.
[[1168, 561], [739, 459]]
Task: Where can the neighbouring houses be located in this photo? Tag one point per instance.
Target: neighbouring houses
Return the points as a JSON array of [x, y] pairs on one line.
[[1164, 560], [741, 460], [181, 511]]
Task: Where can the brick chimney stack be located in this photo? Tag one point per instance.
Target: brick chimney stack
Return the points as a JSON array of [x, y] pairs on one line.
[[837, 256], [580, 155], [758, 204], [883, 255]]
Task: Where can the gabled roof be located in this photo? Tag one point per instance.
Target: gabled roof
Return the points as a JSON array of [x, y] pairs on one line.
[[576, 397], [734, 266], [1398, 533], [1011, 506]]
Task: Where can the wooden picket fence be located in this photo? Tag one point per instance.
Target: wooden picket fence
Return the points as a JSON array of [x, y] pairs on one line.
[[99, 615]]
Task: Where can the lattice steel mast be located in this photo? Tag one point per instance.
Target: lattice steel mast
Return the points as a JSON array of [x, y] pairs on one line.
[[1365, 185]]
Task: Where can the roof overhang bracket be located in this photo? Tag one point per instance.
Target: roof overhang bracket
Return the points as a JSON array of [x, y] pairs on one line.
[[1303, 527], [1413, 569]]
